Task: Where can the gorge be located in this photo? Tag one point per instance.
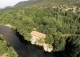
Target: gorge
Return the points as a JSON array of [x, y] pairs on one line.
[[28, 50]]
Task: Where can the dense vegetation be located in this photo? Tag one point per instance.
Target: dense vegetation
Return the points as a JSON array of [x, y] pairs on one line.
[[26, 3], [72, 47], [50, 21], [44, 3], [6, 48], [61, 27]]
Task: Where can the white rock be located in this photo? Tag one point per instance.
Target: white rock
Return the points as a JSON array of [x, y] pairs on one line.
[[50, 49], [8, 25]]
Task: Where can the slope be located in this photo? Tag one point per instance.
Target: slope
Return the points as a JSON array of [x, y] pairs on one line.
[[42, 3]]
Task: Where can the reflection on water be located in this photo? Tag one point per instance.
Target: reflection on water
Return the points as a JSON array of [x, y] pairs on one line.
[[22, 49]]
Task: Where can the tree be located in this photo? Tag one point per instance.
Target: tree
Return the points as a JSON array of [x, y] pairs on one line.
[[72, 48], [11, 52], [49, 39], [59, 45]]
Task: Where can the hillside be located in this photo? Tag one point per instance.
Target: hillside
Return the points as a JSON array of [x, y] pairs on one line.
[[0, 8], [61, 27], [60, 23], [26, 3], [40, 3]]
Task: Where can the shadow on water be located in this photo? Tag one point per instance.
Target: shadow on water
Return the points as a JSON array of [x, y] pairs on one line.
[[21, 46], [22, 40]]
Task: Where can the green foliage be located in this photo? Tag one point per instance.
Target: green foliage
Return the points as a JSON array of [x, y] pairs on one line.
[[5, 48], [73, 46], [58, 25], [55, 23], [41, 40], [49, 39], [59, 45], [11, 52]]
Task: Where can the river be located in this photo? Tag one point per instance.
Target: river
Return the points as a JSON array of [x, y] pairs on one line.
[[23, 50]]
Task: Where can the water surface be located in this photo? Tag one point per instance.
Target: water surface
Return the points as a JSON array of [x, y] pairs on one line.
[[22, 49]]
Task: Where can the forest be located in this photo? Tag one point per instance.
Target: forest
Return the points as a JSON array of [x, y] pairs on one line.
[[61, 27]]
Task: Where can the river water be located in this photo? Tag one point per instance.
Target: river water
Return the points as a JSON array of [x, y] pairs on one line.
[[22, 50]]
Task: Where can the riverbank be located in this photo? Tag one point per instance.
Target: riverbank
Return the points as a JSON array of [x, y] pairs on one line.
[[23, 50]]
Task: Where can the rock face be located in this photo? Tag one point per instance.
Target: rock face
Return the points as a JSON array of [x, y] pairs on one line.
[[47, 47], [8, 25], [38, 39]]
